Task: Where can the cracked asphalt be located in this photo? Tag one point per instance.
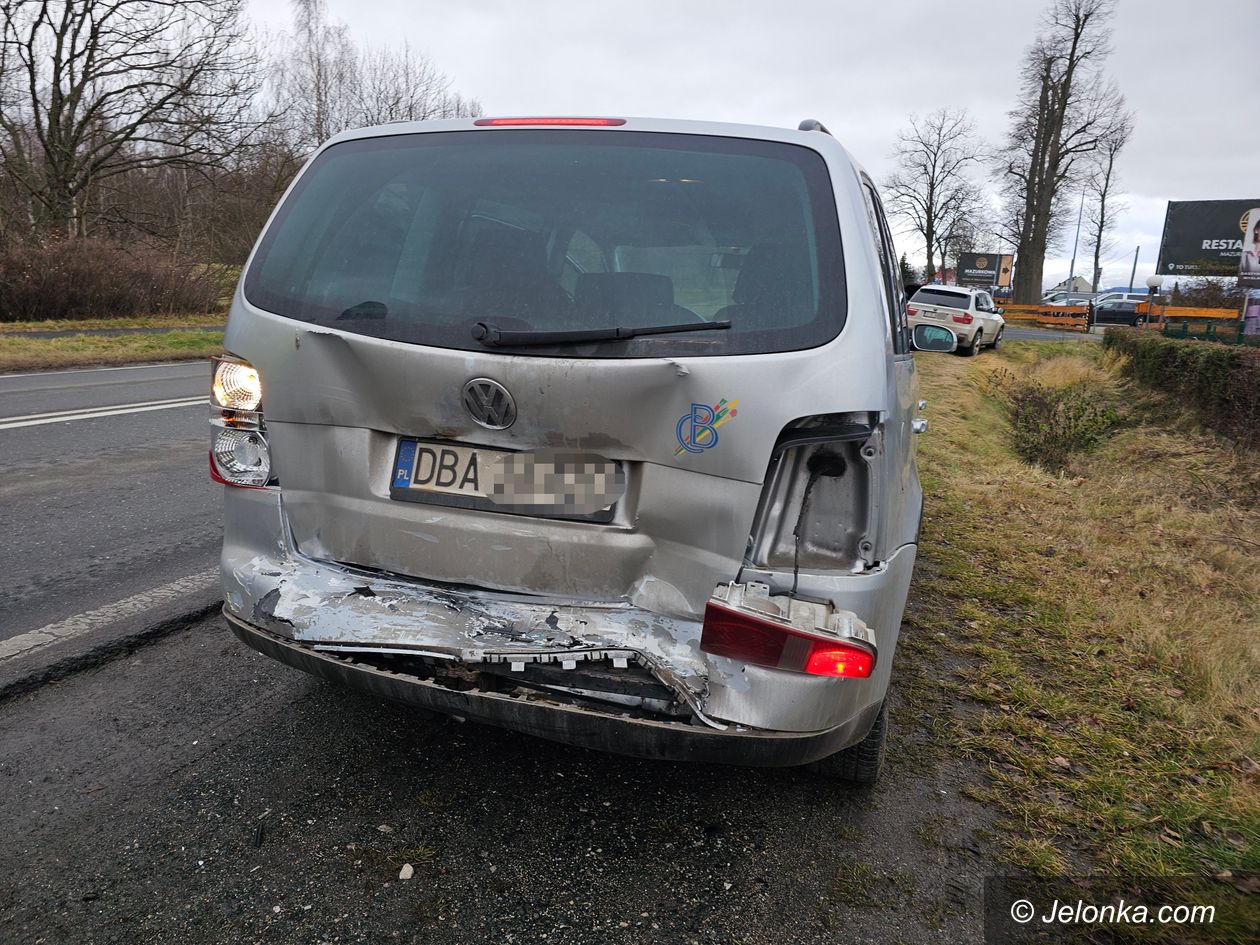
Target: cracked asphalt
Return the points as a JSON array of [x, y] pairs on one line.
[[196, 792]]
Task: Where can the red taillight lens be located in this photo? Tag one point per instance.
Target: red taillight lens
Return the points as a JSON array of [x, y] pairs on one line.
[[750, 639], [965, 318], [499, 122], [911, 311], [848, 662], [741, 636]]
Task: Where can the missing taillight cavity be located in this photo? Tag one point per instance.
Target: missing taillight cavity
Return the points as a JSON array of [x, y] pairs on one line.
[[746, 623], [816, 510]]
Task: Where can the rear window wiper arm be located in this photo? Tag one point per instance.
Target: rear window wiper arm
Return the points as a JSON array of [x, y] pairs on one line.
[[495, 337]]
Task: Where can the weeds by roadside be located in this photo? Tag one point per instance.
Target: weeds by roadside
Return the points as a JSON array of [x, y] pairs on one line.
[[1109, 614], [1049, 425]]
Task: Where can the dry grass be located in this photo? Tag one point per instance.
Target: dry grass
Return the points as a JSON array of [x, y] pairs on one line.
[[34, 354], [1113, 616]]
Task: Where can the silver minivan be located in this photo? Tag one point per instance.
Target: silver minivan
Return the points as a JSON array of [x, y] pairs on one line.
[[598, 429]]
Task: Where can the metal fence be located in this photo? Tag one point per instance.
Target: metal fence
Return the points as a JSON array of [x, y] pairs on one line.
[[1227, 334]]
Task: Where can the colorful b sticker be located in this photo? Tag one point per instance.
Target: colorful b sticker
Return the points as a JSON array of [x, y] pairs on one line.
[[697, 429]]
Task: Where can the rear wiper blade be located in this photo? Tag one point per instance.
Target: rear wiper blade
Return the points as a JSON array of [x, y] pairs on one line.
[[495, 337]]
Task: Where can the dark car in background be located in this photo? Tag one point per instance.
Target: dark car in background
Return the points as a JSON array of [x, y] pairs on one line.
[[1118, 313]]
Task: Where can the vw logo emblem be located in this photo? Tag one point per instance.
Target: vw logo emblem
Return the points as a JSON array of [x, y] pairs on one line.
[[489, 403]]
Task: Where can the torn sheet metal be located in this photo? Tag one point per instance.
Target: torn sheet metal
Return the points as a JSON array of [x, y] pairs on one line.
[[336, 609]]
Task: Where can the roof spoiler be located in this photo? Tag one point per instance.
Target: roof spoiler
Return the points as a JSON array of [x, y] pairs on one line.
[[813, 124]]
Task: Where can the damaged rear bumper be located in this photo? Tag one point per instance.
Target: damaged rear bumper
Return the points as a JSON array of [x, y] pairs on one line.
[[606, 675], [578, 725]]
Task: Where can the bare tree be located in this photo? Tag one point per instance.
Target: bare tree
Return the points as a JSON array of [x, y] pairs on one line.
[[1066, 107], [325, 83], [930, 186], [1102, 207], [963, 224], [94, 89]]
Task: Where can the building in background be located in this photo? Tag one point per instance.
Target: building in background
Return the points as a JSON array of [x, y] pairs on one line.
[[1075, 284]]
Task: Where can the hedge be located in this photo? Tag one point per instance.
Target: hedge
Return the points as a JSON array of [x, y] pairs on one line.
[[1221, 381], [94, 278]]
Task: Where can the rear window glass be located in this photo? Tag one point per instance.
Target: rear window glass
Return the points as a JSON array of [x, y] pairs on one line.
[[417, 238], [941, 297]]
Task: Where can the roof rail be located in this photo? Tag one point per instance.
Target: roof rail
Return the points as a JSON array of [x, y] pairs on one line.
[[813, 124]]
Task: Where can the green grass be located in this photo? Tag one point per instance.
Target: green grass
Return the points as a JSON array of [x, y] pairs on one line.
[[32, 354], [1110, 644], [92, 324]]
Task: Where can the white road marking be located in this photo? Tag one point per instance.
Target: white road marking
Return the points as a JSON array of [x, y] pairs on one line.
[[89, 413], [121, 367], [24, 643]]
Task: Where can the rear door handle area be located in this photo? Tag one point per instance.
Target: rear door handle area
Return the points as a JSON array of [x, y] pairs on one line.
[[919, 425]]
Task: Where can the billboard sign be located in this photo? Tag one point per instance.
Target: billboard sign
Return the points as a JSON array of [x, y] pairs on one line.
[[1005, 266], [1204, 237], [1249, 258], [978, 269]]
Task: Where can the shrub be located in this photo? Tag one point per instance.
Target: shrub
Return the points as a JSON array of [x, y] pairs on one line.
[[1222, 382], [91, 278], [1050, 424]]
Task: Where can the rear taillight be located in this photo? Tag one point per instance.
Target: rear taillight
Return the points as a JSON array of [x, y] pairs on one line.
[[504, 122], [844, 648], [911, 311], [239, 454], [966, 318]]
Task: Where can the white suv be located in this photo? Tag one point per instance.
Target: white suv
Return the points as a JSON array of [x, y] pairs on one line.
[[1122, 297], [969, 313]]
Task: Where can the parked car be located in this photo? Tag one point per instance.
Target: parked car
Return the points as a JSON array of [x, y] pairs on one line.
[[1117, 312], [969, 313], [1065, 299], [597, 429], [1122, 297]]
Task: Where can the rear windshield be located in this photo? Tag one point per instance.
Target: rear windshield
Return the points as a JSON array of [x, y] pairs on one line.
[[942, 297], [418, 237]]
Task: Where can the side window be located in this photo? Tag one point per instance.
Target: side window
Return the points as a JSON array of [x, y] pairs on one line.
[[983, 302], [894, 291]]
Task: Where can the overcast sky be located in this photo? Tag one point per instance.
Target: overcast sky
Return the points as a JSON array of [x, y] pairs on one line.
[[1188, 69]]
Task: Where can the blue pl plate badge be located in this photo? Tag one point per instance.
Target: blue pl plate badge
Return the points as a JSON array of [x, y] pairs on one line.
[[406, 463]]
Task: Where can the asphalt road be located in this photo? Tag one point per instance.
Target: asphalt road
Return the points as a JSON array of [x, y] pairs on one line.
[[196, 792], [104, 489], [1045, 334]]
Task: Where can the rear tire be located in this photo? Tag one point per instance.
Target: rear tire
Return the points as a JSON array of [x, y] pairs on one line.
[[976, 343], [860, 763]]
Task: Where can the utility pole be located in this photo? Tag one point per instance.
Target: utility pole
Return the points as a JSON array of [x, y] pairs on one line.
[[1133, 271], [1076, 243]]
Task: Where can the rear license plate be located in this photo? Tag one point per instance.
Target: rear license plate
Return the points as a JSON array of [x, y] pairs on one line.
[[552, 484]]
